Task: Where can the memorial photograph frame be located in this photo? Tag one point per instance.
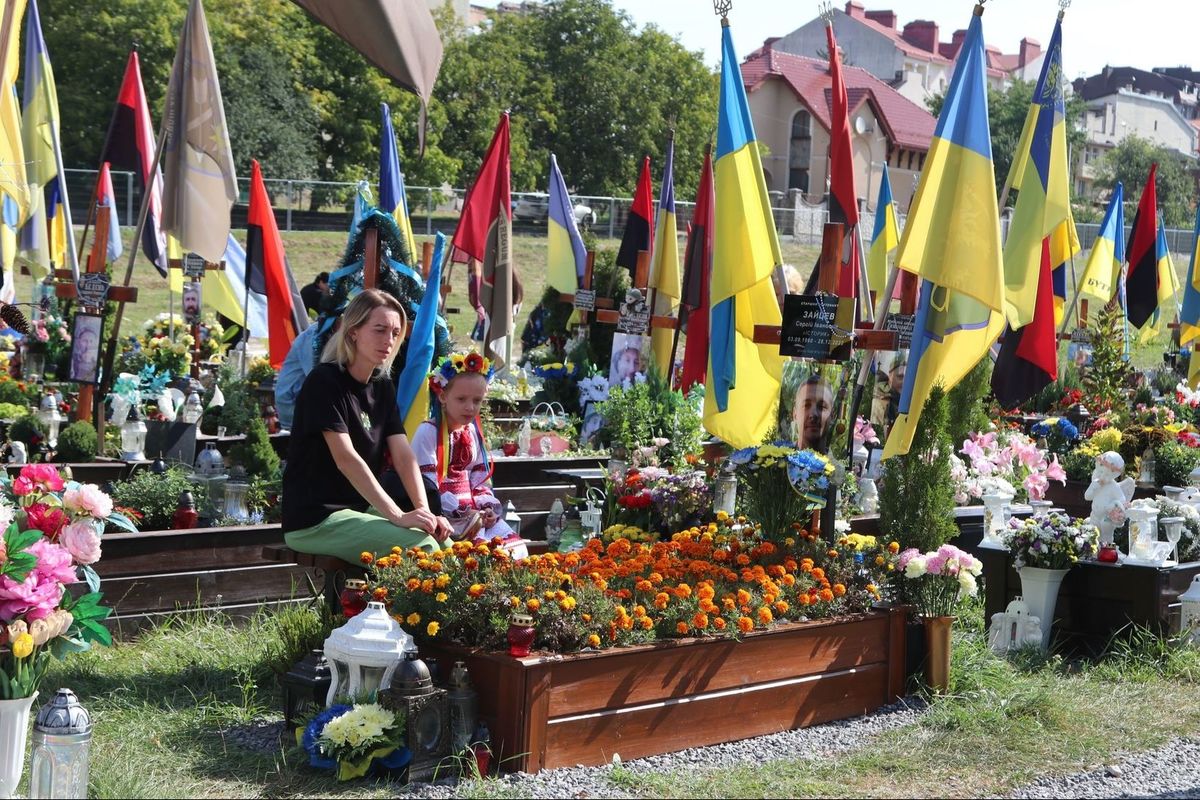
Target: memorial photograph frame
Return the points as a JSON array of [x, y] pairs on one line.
[[87, 334]]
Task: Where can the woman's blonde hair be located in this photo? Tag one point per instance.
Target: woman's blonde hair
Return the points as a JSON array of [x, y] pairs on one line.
[[340, 347]]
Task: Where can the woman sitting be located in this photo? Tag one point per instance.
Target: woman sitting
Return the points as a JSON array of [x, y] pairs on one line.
[[346, 420]]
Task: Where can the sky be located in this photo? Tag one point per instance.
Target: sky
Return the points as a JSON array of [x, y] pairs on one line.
[[1162, 33]]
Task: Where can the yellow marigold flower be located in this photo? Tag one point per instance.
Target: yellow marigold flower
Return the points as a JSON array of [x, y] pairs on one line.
[[433, 628], [397, 550], [879, 561], [22, 646], [441, 597], [413, 619], [567, 604], [894, 547], [548, 595], [533, 604], [593, 640], [442, 581], [476, 589]]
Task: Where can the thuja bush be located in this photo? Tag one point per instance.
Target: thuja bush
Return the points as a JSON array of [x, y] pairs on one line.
[[916, 498]]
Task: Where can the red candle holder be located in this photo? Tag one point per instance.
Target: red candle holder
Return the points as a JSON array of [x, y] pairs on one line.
[[353, 597], [1107, 554], [520, 635], [509, 448]]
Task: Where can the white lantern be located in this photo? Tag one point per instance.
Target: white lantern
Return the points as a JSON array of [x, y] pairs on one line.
[[364, 653], [61, 737], [858, 458], [49, 416], [868, 495], [512, 518], [1194, 477], [133, 440], [1189, 612], [1144, 546], [592, 518], [1014, 628], [725, 492]]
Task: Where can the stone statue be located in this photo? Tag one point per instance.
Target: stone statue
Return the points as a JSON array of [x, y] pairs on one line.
[[1109, 495], [17, 453]]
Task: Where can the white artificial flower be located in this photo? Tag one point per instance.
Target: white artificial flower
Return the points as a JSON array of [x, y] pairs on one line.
[[916, 567]]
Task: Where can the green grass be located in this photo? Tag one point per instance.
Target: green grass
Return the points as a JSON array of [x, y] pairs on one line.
[[159, 705]]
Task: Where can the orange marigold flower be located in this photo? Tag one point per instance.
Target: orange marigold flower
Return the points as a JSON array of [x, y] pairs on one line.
[[593, 640], [586, 617], [831, 553], [764, 615], [380, 593], [681, 627], [683, 590], [781, 606], [826, 595], [718, 623], [441, 581], [413, 584], [728, 603], [647, 623], [427, 586], [893, 547], [879, 561], [476, 589], [806, 566], [644, 586], [743, 597], [700, 620], [366, 558], [639, 611], [745, 624], [470, 562], [742, 559], [788, 580], [533, 604], [706, 591], [661, 599], [708, 607], [838, 590]]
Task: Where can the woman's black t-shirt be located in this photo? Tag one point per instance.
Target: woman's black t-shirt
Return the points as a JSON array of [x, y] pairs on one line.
[[332, 400]]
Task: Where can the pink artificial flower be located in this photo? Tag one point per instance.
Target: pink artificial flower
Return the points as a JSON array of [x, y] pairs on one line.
[[3, 551], [1054, 470], [42, 517], [33, 598], [22, 486], [1027, 453], [1035, 484], [907, 556], [88, 499], [81, 540], [53, 561], [972, 450], [43, 475]]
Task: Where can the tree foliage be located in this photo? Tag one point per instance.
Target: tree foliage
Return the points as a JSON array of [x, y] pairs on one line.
[[579, 79], [1129, 162]]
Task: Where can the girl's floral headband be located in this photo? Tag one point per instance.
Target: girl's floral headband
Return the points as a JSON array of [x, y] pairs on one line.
[[457, 364]]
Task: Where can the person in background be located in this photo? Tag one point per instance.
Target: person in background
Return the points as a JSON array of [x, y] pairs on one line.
[[345, 423], [313, 293], [300, 360]]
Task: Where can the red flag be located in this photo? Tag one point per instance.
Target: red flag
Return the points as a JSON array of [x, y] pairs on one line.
[[843, 200], [130, 146], [697, 273], [485, 234], [1028, 359], [264, 255], [1141, 283], [639, 233]]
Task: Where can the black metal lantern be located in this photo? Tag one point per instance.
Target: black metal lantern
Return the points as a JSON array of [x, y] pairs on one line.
[[426, 713], [305, 686]]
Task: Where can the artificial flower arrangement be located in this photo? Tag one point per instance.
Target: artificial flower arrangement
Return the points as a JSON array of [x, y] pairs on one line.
[[779, 484], [130, 390], [51, 538], [1052, 540], [1008, 456], [631, 532], [52, 332], [655, 499], [1060, 434], [864, 432], [937, 581], [723, 579], [354, 739]]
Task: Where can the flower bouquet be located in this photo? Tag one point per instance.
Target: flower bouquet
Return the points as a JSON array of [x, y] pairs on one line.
[[938, 581], [1009, 456], [51, 537], [780, 484], [354, 739], [1060, 434], [1050, 541]]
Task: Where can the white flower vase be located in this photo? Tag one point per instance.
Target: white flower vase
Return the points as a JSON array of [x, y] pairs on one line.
[[14, 730], [1039, 588]]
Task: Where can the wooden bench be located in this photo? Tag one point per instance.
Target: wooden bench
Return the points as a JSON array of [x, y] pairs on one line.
[[334, 570]]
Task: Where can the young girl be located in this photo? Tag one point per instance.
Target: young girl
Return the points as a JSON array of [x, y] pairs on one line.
[[450, 448]]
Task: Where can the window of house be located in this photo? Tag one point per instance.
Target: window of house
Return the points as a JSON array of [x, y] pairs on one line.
[[800, 155]]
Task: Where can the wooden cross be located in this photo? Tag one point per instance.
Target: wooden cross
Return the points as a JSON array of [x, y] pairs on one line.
[[827, 278], [209, 266], [65, 287], [586, 285]]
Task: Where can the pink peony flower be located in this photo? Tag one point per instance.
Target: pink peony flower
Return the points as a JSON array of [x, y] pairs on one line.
[[53, 561], [22, 486], [41, 517], [81, 540], [907, 556], [44, 475], [88, 499]]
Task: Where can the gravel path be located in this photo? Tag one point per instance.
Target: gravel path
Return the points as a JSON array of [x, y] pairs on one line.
[[814, 742], [1169, 771]]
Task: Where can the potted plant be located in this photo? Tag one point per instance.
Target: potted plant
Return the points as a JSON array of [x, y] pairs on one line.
[[1044, 548], [937, 582]]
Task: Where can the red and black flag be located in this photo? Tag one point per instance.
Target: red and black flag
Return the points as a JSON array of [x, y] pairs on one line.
[[130, 146], [266, 264], [639, 231], [697, 271], [1141, 283], [1028, 359], [485, 234], [843, 200]]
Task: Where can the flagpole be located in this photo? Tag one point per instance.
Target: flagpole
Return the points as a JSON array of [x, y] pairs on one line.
[[882, 306], [1074, 301], [56, 146]]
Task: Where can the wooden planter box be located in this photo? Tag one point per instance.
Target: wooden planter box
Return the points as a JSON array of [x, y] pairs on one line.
[[558, 711], [1097, 600], [1070, 497]]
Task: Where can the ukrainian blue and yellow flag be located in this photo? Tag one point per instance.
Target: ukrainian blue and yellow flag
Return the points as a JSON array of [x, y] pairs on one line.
[[39, 138], [8, 247], [412, 385], [392, 196], [886, 235], [952, 241], [664, 269], [1040, 174], [13, 181], [743, 377], [565, 250], [1168, 285], [1189, 312], [1102, 275]]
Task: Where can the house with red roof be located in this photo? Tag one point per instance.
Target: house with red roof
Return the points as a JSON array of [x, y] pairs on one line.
[[791, 99]]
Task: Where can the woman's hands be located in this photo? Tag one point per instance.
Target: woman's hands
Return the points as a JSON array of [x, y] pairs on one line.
[[422, 519]]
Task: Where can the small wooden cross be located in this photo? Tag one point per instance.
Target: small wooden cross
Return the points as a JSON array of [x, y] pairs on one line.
[[65, 287]]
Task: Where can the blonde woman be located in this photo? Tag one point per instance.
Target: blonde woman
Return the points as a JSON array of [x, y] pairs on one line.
[[346, 422]]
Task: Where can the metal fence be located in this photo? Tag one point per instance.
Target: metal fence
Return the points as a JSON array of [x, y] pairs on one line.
[[305, 205]]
